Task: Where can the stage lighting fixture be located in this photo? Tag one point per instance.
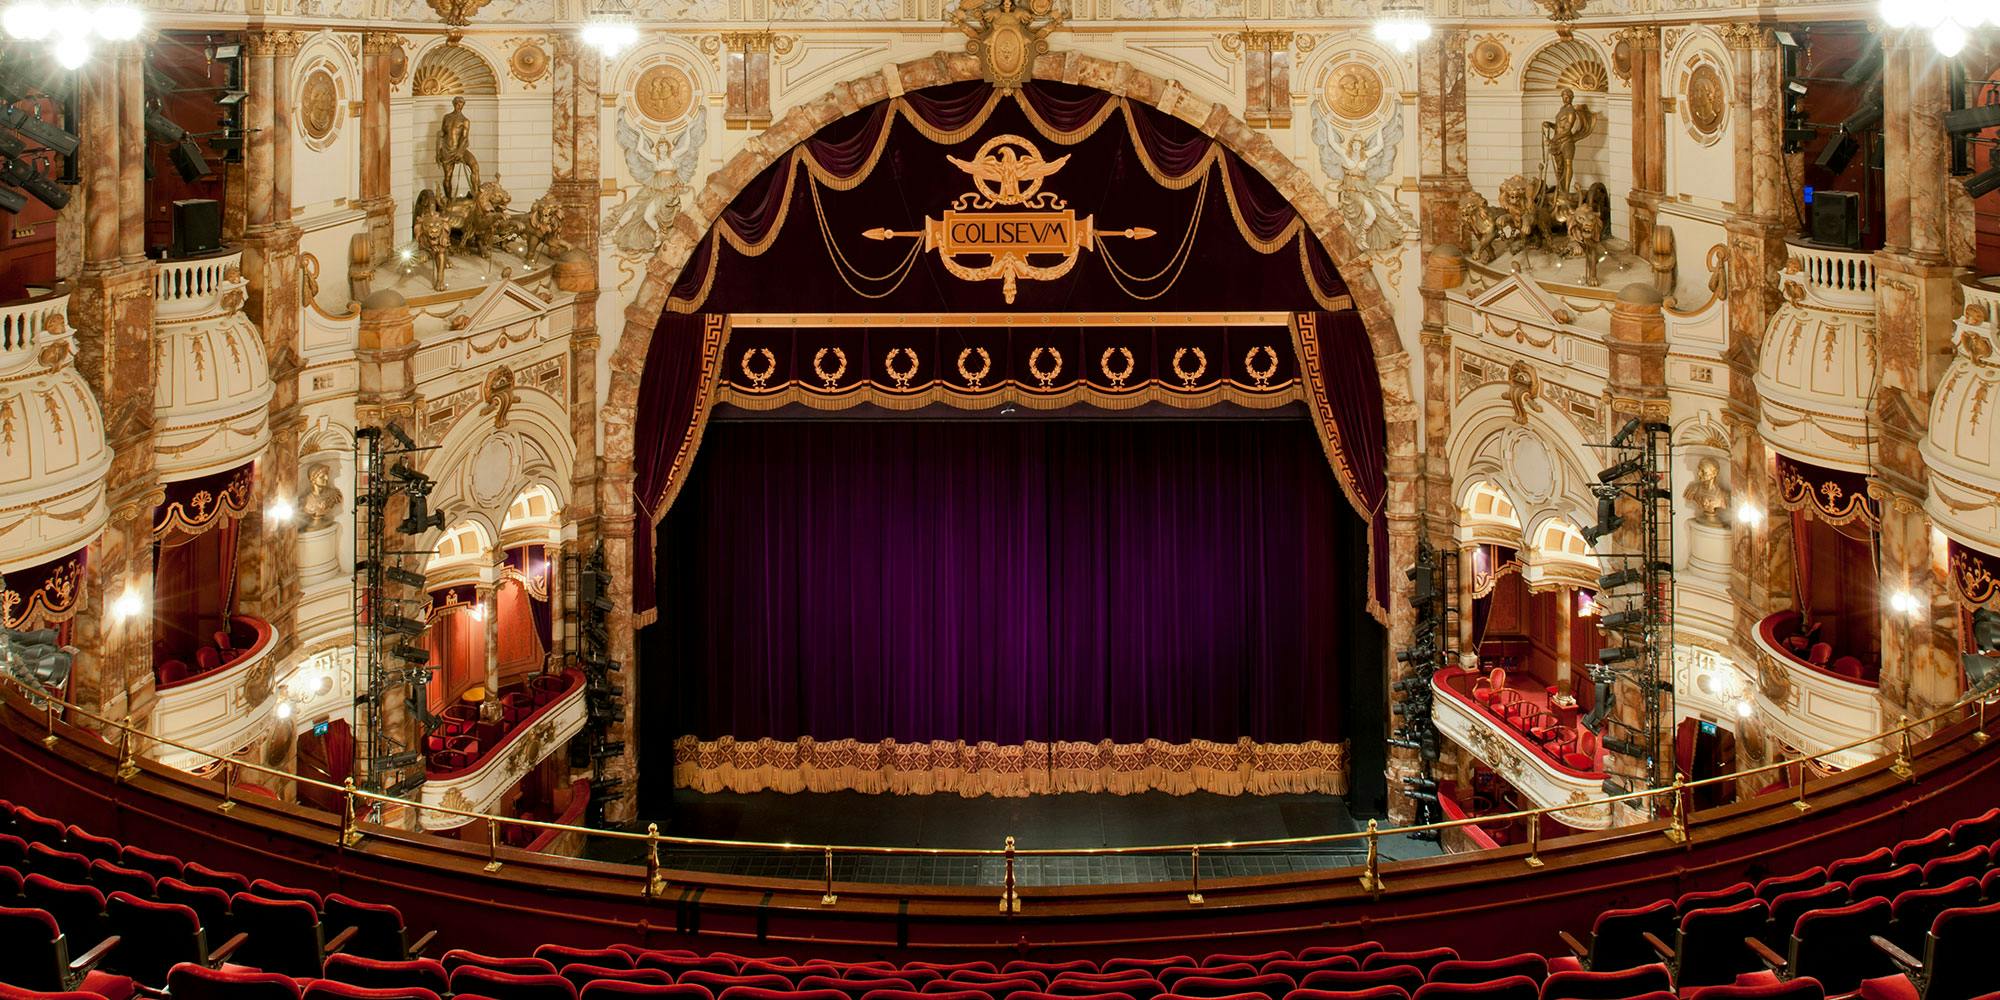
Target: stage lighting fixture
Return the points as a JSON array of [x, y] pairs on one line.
[[1795, 88], [1423, 580], [407, 626], [231, 98], [1868, 115], [1623, 619], [1607, 519], [402, 470], [20, 174], [396, 431], [1785, 39], [1986, 182], [1837, 154], [411, 654], [417, 525], [1977, 119], [1624, 433], [160, 128], [1601, 702], [40, 132], [1986, 629], [187, 159], [1866, 67], [405, 577], [1619, 654], [12, 201], [1622, 469]]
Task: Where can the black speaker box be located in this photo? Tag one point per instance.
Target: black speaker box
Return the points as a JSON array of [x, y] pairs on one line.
[[197, 226], [1836, 218]]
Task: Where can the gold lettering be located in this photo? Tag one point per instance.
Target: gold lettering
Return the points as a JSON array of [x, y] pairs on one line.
[[1010, 232]]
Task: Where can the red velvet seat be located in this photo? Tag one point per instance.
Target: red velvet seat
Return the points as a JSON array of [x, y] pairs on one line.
[[716, 982], [677, 964], [63, 866], [154, 937], [1887, 885], [110, 878], [1358, 950], [1510, 988], [947, 968], [1797, 989], [15, 993], [206, 658], [1918, 850], [1258, 960], [1234, 970], [1972, 862], [1299, 968], [1617, 938], [13, 852], [1370, 993], [1777, 885], [1711, 946], [327, 989], [1820, 654], [209, 903], [1849, 869], [1957, 961], [90, 845], [284, 936], [38, 956], [10, 886], [77, 909], [1153, 965], [267, 889], [458, 958], [422, 973], [1607, 985], [1461, 970], [1982, 829], [194, 873], [1040, 979], [1788, 908], [1033, 995], [997, 988], [378, 929], [1833, 946], [613, 989], [192, 982], [1913, 912], [509, 986], [1271, 987], [907, 995], [1714, 899], [36, 828], [1136, 984], [560, 955], [1423, 960], [174, 672], [855, 987], [1049, 968], [581, 974], [1409, 977], [752, 993]]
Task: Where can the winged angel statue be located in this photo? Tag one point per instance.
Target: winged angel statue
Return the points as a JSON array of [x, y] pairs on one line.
[[1359, 166], [662, 171]]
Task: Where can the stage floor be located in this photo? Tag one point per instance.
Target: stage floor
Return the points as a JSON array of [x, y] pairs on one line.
[[1044, 821]]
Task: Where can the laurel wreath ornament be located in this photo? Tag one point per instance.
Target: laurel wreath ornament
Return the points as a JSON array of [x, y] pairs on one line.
[[1048, 378], [1261, 376], [830, 378], [758, 379], [973, 378], [1189, 378], [1116, 378], [901, 378]]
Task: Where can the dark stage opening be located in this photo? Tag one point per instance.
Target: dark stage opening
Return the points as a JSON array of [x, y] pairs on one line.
[[1044, 594]]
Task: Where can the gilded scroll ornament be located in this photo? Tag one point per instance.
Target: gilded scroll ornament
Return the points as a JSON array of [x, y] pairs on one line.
[[1117, 378], [1524, 391], [499, 395], [759, 377]]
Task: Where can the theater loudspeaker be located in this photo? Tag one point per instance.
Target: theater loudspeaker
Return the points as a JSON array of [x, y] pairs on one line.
[[1836, 218], [197, 226]]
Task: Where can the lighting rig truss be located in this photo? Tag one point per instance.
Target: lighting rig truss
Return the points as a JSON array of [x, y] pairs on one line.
[[391, 610], [604, 699], [30, 143], [1639, 634], [1425, 655]]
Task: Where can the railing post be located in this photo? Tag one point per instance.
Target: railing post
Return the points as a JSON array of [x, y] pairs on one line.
[[1010, 901], [128, 764], [1902, 768], [1194, 877], [1371, 876], [349, 835], [1534, 858], [228, 786], [656, 883], [492, 845], [1979, 735], [827, 898], [50, 740], [1800, 803], [1677, 830]]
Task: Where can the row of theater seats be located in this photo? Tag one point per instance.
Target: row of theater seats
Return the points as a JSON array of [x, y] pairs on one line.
[[84, 913]]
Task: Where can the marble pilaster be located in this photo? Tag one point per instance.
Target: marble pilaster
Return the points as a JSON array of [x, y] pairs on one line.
[[1649, 132], [1441, 137], [377, 198]]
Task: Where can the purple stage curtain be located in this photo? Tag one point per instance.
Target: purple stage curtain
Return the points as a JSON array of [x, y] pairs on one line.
[[674, 398], [1345, 395], [1011, 581]]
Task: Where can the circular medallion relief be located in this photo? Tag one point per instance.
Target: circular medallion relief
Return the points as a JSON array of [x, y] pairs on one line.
[[319, 105], [1621, 59], [491, 475], [663, 93], [399, 65], [1489, 58], [1705, 101], [1534, 471], [1354, 91], [529, 63]]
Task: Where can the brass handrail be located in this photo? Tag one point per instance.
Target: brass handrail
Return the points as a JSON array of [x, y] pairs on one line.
[[129, 736]]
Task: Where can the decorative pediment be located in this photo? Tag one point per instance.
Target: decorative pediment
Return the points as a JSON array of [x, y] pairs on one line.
[[1519, 298]]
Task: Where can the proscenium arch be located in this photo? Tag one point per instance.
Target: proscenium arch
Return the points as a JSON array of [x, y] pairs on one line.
[[691, 227]]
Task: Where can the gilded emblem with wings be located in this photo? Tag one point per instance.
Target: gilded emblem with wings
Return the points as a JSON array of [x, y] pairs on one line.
[[1009, 170]]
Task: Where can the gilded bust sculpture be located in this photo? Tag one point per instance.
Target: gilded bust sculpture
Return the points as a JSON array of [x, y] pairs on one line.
[[322, 502], [1707, 492]]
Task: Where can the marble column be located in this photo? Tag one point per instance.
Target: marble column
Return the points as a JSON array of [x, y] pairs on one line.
[[1467, 559], [271, 266], [111, 307], [1565, 622], [558, 608], [488, 594], [378, 50], [1649, 132], [1916, 298], [130, 57], [1441, 137], [1638, 349]]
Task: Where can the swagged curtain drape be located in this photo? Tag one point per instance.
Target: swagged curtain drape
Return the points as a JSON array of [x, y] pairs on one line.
[[1163, 590], [194, 560]]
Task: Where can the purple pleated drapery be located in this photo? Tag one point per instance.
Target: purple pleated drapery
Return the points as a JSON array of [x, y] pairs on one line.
[[1169, 580], [1345, 395]]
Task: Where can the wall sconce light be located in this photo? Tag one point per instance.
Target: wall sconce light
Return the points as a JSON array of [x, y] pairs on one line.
[[127, 605], [1749, 514], [280, 511]]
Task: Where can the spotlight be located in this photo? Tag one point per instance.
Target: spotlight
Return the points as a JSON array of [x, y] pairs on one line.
[[1977, 119], [231, 98], [1837, 154], [1623, 619], [1868, 115], [11, 201], [1986, 629], [1619, 654], [1621, 470], [28, 20], [1982, 672], [1607, 519], [1745, 709], [42, 133], [21, 175], [187, 159], [219, 53], [1624, 433], [405, 577], [396, 431], [1866, 67], [284, 710], [1981, 184]]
